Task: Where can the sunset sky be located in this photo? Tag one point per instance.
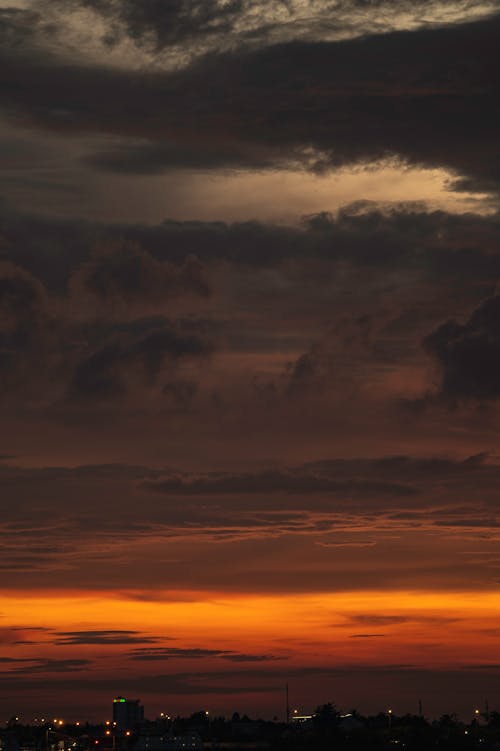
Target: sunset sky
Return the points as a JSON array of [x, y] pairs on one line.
[[249, 355]]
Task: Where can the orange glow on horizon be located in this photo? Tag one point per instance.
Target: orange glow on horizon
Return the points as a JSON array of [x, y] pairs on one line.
[[426, 627]]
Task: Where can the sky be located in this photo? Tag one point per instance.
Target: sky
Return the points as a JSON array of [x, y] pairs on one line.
[[249, 356]]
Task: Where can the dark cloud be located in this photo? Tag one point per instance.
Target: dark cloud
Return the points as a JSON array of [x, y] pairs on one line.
[[161, 25], [468, 355], [22, 298], [387, 476], [272, 482], [9, 660], [396, 475], [120, 364], [45, 665], [44, 352], [104, 637], [235, 657], [166, 653], [404, 467], [26, 327], [56, 666], [378, 620], [375, 619], [125, 274], [184, 30], [140, 264], [320, 104], [347, 544], [143, 157]]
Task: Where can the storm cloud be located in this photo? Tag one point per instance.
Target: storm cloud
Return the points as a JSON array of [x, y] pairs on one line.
[[468, 354], [318, 104]]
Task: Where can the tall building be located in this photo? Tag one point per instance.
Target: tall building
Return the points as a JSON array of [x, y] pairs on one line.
[[127, 713]]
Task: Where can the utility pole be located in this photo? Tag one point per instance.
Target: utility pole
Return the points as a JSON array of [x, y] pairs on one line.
[[287, 707]]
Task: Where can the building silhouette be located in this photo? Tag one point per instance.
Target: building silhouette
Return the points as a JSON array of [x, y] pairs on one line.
[[127, 713]]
